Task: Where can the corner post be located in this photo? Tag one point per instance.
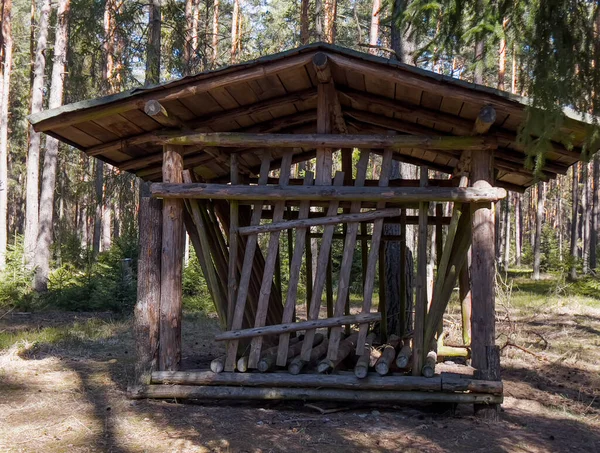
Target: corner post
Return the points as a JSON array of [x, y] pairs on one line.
[[485, 354], [171, 264], [147, 307]]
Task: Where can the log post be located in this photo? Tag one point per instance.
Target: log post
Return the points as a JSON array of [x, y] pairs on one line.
[[485, 355], [147, 307], [171, 264]]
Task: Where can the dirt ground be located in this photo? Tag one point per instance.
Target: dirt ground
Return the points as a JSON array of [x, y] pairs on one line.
[[63, 389]]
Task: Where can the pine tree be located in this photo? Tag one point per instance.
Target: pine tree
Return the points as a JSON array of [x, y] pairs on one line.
[[45, 235]]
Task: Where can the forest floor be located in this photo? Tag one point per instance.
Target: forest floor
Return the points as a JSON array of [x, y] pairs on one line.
[[63, 380]]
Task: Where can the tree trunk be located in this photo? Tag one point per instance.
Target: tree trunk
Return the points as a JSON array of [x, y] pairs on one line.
[[518, 229], [595, 214], [304, 36], [586, 217], [374, 32], [502, 56], [235, 18], [5, 70], [215, 33], [537, 251], [507, 235], [189, 33], [574, 210], [153, 48], [330, 20], [33, 154], [99, 186], [42, 256], [319, 12], [401, 34]]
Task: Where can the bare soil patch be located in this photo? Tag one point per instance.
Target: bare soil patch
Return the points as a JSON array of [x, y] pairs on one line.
[[69, 394]]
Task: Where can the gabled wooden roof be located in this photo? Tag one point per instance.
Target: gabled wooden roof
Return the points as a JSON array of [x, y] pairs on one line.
[[277, 93]]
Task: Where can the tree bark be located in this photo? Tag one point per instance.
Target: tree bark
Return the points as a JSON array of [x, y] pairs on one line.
[[586, 217], [5, 72], [215, 33], [304, 35], [153, 48], [189, 33], [374, 31], [98, 189], [401, 34], [595, 214], [319, 13], [33, 154], [507, 234], [518, 229], [537, 247], [574, 211], [45, 235], [502, 56], [235, 26]]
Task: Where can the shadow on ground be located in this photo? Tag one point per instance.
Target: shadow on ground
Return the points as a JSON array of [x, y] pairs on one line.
[[72, 398]]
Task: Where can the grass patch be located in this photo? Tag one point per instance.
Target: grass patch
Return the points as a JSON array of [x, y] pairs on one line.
[[72, 334]]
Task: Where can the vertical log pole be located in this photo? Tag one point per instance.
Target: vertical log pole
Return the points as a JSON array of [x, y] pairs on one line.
[[147, 307], [484, 352], [233, 243], [464, 286], [421, 302], [171, 264], [402, 303]]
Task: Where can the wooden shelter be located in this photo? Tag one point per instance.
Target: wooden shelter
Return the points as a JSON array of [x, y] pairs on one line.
[[220, 149]]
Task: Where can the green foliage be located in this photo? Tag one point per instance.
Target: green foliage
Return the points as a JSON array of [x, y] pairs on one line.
[[15, 280], [106, 284], [196, 296]]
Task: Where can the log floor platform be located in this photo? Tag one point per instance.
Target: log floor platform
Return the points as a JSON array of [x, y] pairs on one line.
[[285, 173]]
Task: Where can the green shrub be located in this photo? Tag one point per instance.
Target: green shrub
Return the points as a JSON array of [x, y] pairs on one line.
[[15, 280], [196, 296]]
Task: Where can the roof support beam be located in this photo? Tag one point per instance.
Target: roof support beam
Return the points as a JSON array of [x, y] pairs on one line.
[[504, 154], [201, 124], [235, 140], [460, 125], [160, 114], [328, 193]]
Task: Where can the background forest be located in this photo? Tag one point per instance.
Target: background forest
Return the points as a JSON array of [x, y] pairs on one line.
[[68, 226]]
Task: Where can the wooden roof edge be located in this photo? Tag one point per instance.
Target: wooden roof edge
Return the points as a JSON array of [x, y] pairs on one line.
[[37, 119]]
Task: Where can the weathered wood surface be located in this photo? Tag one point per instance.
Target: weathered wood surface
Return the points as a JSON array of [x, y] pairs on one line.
[[483, 271], [388, 354], [297, 364], [322, 263], [446, 382], [355, 217], [320, 193], [232, 273], [270, 261], [295, 267], [247, 268], [421, 288], [403, 359], [296, 326], [347, 257], [171, 272], [305, 394], [159, 113], [147, 307], [325, 140], [269, 358], [217, 365], [370, 269], [361, 369], [428, 369], [345, 348]]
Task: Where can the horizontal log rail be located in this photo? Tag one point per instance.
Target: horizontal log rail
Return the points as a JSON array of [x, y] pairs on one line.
[[446, 382], [328, 193], [306, 394], [336, 141], [295, 326], [320, 221]]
